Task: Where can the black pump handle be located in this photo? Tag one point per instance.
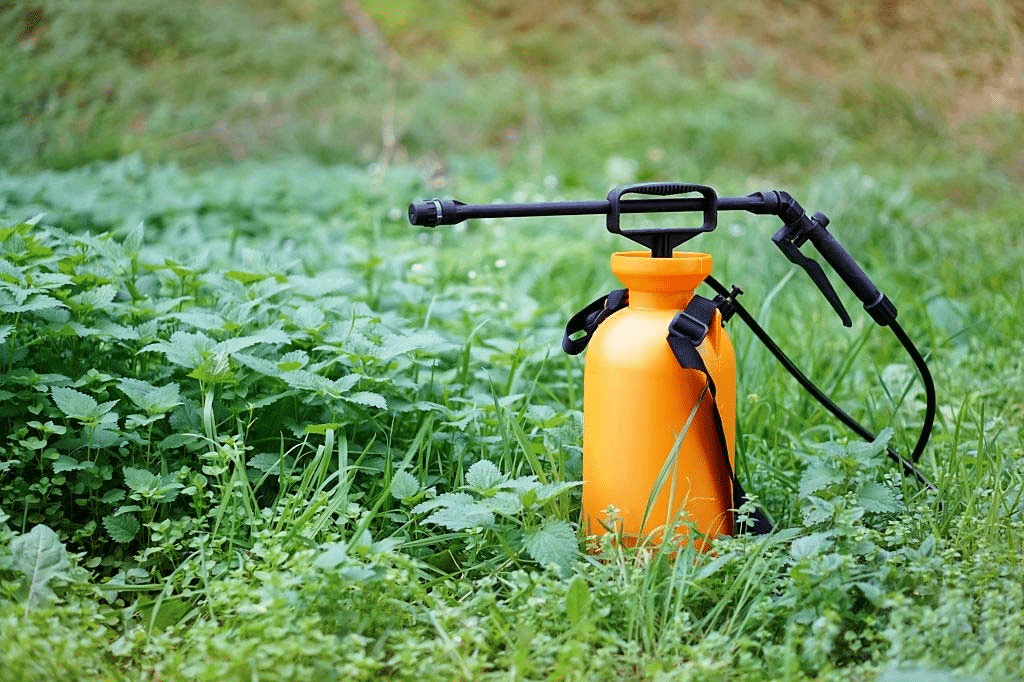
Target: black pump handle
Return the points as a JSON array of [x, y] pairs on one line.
[[661, 241]]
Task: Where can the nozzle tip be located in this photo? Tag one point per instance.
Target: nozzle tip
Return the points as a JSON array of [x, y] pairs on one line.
[[423, 213]]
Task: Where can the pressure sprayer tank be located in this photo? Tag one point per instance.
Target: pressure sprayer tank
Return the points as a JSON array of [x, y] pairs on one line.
[[647, 423]]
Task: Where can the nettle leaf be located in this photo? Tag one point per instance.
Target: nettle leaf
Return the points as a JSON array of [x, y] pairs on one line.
[[504, 503], [5, 331], [368, 398], [257, 364], [65, 463], [96, 297], [810, 545], [184, 349], [484, 475], [41, 557], [308, 317], [404, 485], [12, 304], [421, 339], [296, 359], [245, 277], [269, 462], [140, 480], [554, 542], [78, 405], [456, 511], [123, 528], [151, 399], [271, 336], [875, 497], [818, 476]]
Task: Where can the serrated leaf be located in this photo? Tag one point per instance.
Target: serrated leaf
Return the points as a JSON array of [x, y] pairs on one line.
[[456, 511], [461, 518], [809, 545], [272, 336], [77, 405], [140, 480], [96, 297], [40, 556], [151, 399], [296, 359], [554, 542], [268, 462], [308, 317], [818, 476], [34, 302], [484, 475], [368, 398], [875, 497], [503, 502], [65, 463], [122, 529], [261, 365], [5, 331], [184, 349], [404, 485]]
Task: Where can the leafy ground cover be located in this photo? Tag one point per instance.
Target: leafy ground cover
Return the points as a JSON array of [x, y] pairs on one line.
[[256, 426]]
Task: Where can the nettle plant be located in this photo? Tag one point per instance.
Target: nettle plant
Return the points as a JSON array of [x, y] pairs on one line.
[[498, 518], [156, 389]]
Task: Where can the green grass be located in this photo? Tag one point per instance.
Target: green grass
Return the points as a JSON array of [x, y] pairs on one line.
[[255, 426]]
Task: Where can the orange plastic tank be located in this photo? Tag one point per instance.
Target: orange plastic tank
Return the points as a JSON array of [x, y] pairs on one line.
[[637, 402]]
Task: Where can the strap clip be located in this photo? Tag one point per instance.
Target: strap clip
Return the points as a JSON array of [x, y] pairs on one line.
[[689, 327]]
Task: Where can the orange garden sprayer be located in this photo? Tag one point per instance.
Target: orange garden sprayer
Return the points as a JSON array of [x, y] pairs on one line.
[[659, 390]]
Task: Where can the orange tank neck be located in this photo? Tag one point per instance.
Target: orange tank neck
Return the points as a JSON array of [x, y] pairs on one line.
[[660, 283]]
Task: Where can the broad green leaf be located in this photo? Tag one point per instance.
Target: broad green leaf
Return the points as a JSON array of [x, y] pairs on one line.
[[184, 349], [140, 480], [258, 364], [268, 462], [78, 405], [65, 463], [41, 557], [271, 336], [308, 317], [296, 359], [554, 542], [461, 517], [368, 398], [818, 476], [875, 497], [404, 485], [151, 399], [484, 475], [809, 545], [456, 511], [5, 331], [9, 304], [95, 297], [122, 529]]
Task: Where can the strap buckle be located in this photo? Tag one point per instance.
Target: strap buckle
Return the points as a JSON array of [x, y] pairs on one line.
[[689, 327]]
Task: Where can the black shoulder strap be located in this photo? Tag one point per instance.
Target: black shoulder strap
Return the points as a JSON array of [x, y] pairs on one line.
[[589, 318], [685, 335]]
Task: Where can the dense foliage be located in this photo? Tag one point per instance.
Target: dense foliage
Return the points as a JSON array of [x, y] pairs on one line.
[[253, 425]]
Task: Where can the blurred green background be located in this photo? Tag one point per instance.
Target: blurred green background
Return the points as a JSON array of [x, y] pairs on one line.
[[586, 90]]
